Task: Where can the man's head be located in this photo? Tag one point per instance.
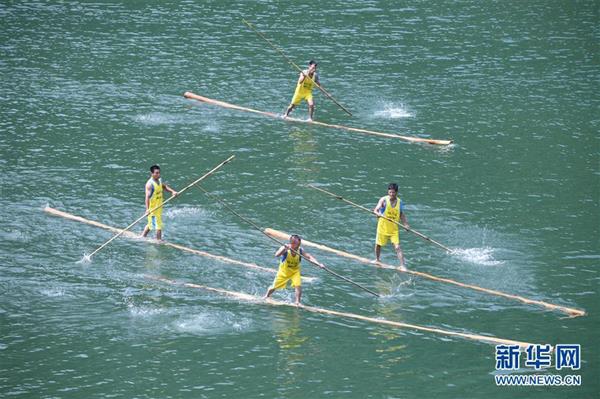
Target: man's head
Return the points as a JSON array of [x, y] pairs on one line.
[[155, 172], [312, 66], [393, 190], [295, 241]]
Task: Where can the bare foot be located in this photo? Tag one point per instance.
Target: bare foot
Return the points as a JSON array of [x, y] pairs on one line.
[[403, 268]]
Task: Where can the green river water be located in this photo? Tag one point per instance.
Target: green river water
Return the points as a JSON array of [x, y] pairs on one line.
[[92, 96]]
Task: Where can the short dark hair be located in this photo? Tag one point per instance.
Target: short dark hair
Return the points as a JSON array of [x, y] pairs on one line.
[[311, 62], [393, 186], [293, 236], [153, 168]]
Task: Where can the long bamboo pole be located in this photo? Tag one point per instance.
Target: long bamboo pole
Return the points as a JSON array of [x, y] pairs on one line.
[[314, 309], [409, 139], [256, 227], [129, 234], [289, 61], [415, 232], [572, 312], [149, 211]]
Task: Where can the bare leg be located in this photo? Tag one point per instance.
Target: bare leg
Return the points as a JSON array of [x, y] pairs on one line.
[[377, 252], [159, 235], [400, 256], [288, 110], [298, 294], [270, 292], [146, 231], [311, 110]]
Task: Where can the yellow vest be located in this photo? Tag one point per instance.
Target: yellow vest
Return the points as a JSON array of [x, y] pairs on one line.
[[386, 227], [156, 197], [290, 260], [308, 82]]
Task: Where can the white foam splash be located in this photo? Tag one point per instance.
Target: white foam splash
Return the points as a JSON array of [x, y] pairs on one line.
[[197, 324], [392, 111], [399, 287], [165, 118], [143, 311], [54, 292], [85, 259], [212, 127], [157, 118], [481, 256], [399, 290], [212, 323], [185, 211]]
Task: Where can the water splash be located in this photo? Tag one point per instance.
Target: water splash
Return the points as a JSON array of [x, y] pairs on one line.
[[159, 118], [53, 292], [212, 323], [212, 127], [481, 256], [185, 211], [398, 287], [86, 259], [164, 118], [143, 311], [392, 111]]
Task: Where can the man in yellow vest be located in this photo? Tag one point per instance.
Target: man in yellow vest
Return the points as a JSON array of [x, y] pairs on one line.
[[154, 198], [289, 267], [304, 87], [390, 207]]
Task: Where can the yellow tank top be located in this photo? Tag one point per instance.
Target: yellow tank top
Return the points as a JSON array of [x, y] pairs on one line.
[[385, 226], [290, 260], [308, 82], [156, 197]]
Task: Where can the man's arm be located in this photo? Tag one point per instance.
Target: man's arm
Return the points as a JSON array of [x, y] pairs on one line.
[[281, 250], [312, 259], [302, 77], [169, 189], [377, 209], [403, 219], [148, 195]]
